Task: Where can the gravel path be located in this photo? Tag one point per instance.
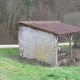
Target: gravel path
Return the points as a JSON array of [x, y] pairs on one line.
[[9, 46], [17, 46]]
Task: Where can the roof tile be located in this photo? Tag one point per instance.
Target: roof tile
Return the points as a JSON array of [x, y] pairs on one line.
[[55, 27]]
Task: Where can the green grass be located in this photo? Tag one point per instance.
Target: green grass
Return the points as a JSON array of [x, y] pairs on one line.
[[64, 49], [12, 69]]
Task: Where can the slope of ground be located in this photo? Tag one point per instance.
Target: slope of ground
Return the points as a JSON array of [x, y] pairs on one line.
[[13, 69]]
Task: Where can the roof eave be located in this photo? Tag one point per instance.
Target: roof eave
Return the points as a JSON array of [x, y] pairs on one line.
[[34, 27]]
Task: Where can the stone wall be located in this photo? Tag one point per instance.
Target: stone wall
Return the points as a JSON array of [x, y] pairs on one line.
[[37, 44]]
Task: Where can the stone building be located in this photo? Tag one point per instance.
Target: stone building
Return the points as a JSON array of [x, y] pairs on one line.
[[39, 40]]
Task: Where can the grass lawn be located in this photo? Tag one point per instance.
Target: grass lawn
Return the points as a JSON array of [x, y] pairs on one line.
[[11, 68]]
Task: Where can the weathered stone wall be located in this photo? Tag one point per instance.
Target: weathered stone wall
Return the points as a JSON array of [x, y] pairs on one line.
[[37, 44]]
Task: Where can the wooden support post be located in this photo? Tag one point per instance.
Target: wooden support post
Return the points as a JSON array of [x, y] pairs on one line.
[[70, 39], [56, 52]]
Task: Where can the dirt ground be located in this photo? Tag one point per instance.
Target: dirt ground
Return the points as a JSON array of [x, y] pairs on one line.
[[65, 59]]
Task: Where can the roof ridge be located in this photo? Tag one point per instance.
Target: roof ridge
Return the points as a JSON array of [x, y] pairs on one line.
[[39, 21]]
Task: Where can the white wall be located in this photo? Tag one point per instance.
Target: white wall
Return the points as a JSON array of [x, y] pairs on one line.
[[37, 44]]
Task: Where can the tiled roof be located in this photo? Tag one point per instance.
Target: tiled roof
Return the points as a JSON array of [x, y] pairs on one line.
[[54, 27]]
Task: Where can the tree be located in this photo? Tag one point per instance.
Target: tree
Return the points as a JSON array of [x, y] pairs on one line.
[[11, 12], [74, 19]]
